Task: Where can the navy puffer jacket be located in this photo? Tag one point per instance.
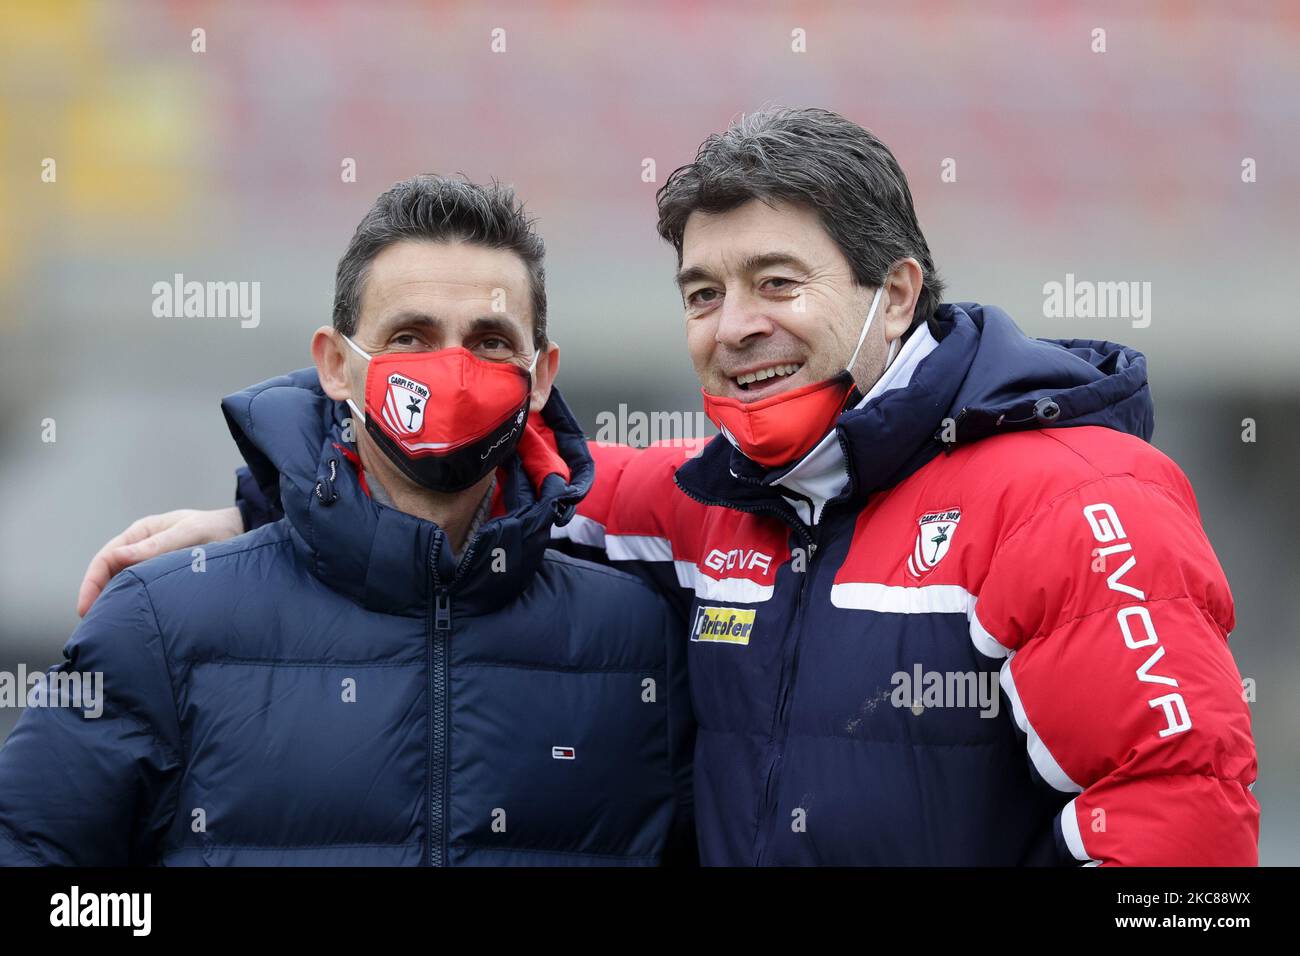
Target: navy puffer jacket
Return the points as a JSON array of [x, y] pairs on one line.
[[335, 689]]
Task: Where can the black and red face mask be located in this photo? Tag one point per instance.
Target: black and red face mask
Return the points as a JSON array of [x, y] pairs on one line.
[[446, 418]]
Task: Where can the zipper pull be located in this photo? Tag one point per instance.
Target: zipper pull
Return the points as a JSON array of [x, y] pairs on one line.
[[325, 487], [442, 610]]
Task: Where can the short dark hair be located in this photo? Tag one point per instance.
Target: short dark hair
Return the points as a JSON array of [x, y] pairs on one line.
[[433, 208], [819, 160]]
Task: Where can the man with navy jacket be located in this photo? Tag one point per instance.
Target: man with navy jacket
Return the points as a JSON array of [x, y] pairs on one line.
[[398, 671]]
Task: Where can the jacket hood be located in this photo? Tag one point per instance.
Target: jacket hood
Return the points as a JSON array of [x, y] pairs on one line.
[[987, 376], [291, 435]]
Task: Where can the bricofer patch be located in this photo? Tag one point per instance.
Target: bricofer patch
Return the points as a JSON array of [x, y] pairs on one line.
[[723, 625]]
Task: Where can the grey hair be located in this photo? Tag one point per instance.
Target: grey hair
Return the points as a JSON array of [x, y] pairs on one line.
[[433, 208], [820, 160]]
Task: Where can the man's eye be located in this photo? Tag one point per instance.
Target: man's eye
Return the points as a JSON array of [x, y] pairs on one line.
[[495, 348], [777, 284], [702, 297], [405, 340]]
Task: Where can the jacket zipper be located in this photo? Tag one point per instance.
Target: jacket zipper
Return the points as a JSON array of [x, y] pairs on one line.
[[772, 777], [766, 820], [439, 632], [439, 692]]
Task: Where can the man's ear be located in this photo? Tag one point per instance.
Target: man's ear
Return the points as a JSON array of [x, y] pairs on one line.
[[902, 289], [548, 365], [330, 355]]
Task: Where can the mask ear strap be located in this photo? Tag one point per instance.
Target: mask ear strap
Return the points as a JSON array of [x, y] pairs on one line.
[[356, 348], [365, 355], [865, 326], [532, 366]]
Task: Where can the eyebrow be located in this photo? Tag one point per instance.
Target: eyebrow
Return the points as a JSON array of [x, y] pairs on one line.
[[497, 324], [692, 274], [407, 317], [749, 265], [486, 323]]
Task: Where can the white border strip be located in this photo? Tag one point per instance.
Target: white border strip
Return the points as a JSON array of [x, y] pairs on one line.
[[984, 642], [927, 599], [1073, 838], [1044, 762], [732, 590], [637, 547], [581, 530], [887, 599], [644, 547]]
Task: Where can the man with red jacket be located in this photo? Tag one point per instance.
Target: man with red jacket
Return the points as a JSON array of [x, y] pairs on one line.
[[945, 604]]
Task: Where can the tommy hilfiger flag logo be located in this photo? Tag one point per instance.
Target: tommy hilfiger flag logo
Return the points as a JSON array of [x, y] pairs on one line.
[[404, 404], [932, 540], [562, 753]]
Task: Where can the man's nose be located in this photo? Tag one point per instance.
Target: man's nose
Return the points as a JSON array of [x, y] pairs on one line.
[[742, 320]]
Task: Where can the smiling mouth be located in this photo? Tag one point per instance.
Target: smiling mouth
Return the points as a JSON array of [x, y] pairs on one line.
[[768, 379]]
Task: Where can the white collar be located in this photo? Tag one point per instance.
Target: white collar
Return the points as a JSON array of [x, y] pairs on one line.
[[821, 474]]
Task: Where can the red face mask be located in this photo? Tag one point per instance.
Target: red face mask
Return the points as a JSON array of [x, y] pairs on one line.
[[783, 428], [447, 418]]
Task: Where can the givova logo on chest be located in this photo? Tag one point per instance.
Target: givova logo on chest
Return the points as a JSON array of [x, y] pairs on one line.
[[739, 559]]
